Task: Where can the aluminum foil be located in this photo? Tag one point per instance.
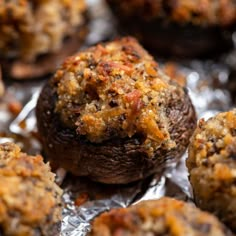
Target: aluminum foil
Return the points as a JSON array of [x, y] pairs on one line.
[[209, 87]]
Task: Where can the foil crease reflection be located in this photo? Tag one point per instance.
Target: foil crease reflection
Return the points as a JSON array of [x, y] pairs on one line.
[[207, 83]]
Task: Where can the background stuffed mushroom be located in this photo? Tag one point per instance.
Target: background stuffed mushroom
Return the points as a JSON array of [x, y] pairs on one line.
[[164, 216], [182, 28], [37, 35]]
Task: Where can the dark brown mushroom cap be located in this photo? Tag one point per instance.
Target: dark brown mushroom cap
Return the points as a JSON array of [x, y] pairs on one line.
[[30, 201], [231, 85], [115, 156], [166, 216]]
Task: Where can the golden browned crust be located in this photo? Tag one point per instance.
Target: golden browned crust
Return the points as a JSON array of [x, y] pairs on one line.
[[29, 198], [197, 12], [212, 166], [165, 216], [29, 29], [116, 89]]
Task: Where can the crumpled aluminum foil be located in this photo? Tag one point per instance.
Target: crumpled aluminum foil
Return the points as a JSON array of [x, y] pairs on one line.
[[83, 199]]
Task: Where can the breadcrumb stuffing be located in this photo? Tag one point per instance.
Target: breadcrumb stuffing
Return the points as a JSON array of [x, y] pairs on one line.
[[116, 90]]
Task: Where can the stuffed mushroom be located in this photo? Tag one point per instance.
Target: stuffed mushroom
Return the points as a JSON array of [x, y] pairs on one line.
[[183, 28], [165, 216], [30, 201], [37, 35], [212, 166], [111, 114]]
